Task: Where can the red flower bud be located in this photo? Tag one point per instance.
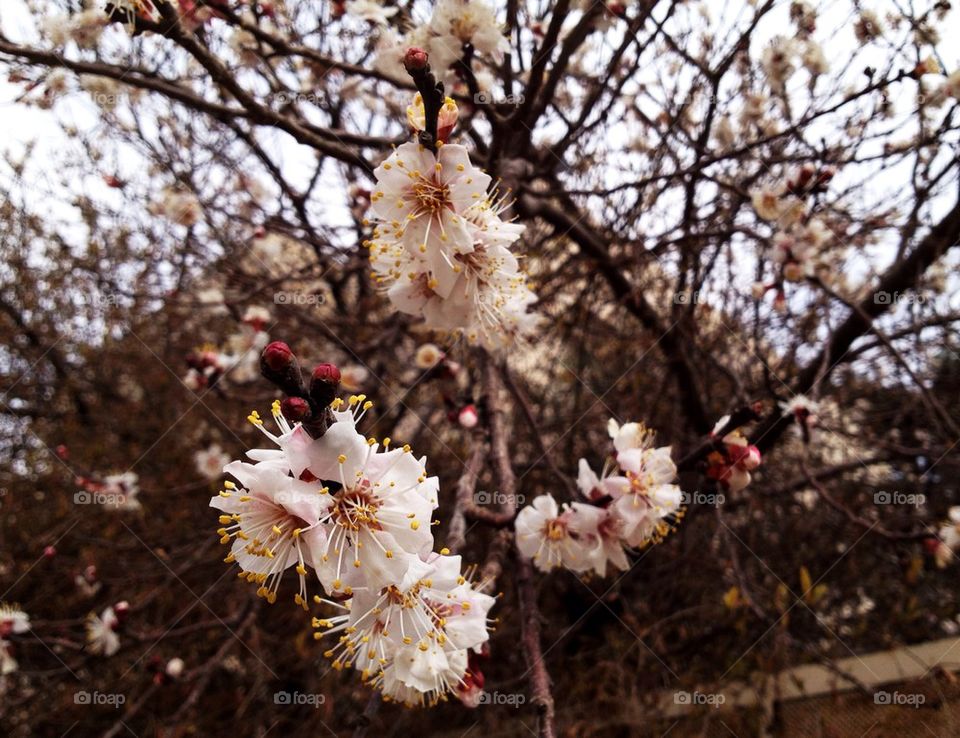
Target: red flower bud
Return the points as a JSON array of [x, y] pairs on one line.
[[295, 409], [278, 356], [416, 60], [327, 373], [323, 387]]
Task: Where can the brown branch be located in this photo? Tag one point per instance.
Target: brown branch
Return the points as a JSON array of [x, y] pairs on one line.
[[532, 651]]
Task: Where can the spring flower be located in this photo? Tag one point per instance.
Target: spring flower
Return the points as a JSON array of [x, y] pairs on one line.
[[631, 504], [813, 59], [733, 465], [174, 668], [102, 638], [121, 491], [358, 520], [428, 356], [772, 203], [272, 520], [422, 197], [256, 316], [210, 461], [601, 534], [544, 535], [412, 639], [179, 206], [868, 27], [777, 62], [651, 495], [13, 620], [455, 23], [802, 408], [353, 377]]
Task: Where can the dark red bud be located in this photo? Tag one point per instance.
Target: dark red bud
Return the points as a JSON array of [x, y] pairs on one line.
[[49, 552], [327, 373], [416, 60], [324, 384], [295, 409], [278, 356]]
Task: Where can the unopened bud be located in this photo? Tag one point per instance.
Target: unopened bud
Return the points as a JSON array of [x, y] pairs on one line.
[[324, 384], [279, 364], [295, 409], [278, 356], [468, 417], [416, 60], [327, 373], [174, 668]]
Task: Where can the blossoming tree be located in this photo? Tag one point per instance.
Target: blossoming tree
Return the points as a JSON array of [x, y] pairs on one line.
[[647, 285]]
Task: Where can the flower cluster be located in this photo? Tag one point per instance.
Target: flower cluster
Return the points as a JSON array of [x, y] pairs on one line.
[[453, 25], [356, 512], [737, 457], [631, 504], [238, 357], [441, 250], [102, 637], [800, 239], [782, 55]]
